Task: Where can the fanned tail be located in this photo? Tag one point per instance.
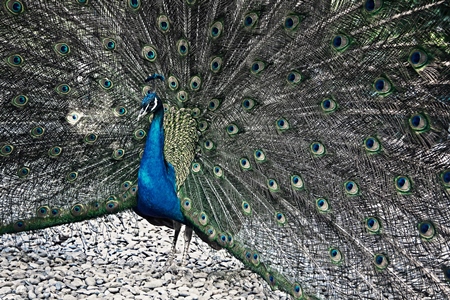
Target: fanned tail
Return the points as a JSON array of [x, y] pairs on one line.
[[322, 159]]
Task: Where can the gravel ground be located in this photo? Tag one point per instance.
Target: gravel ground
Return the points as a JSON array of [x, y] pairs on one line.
[[120, 257]]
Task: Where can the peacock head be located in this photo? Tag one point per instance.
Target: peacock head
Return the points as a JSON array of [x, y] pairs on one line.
[[151, 101]]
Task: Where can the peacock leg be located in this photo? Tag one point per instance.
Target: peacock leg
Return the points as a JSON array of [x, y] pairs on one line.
[[187, 241], [177, 228]]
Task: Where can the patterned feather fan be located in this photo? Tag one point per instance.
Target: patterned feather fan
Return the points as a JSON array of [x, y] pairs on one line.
[[308, 138]]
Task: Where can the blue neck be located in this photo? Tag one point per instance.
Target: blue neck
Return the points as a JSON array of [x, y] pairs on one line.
[[157, 195]]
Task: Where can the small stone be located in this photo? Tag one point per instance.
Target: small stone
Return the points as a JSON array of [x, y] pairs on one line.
[[198, 283], [18, 275], [168, 276], [31, 295], [5, 290], [77, 282], [21, 289], [154, 283], [38, 290], [200, 275], [259, 289], [90, 281]]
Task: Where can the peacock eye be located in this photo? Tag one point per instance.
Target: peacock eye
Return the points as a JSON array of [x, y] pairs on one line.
[[294, 77], [77, 210], [250, 20], [163, 23], [139, 134], [105, 83], [322, 205], [20, 101], [257, 67], [272, 184], [72, 176], [340, 42], [134, 5], [246, 208], [202, 125], [120, 111], [90, 138], [381, 261], [182, 96], [63, 89], [382, 86], [418, 123], [6, 150], [14, 7], [351, 188], [403, 184], [216, 64], [259, 155], [183, 47], [244, 163], [37, 131], [149, 53], [255, 259], [372, 145], [15, 60], [216, 29], [23, 172], [203, 218], [118, 154], [232, 129], [372, 6], [62, 49], [195, 83], [317, 149], [373, 225], [208, 145], [418, 58], [214, 104], [291, 22], [55, 151], [426, 230], [297, 182], [196, 167], [109, 44], [335, 255], [282, 125], [445, 177], [173, 83], [112, 206], [328, 105], [297, 291], [218, 172], [248, 104]]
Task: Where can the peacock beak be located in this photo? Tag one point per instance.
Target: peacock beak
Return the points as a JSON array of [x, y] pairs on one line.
[[149, 104], [143, 111]]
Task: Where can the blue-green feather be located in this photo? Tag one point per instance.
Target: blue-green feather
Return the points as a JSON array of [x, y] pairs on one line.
[[157, 195]]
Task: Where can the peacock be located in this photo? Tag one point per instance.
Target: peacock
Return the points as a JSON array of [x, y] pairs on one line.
[[308, 138]]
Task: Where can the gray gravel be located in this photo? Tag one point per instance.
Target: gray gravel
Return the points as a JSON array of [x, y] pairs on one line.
[[119, 257]]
